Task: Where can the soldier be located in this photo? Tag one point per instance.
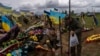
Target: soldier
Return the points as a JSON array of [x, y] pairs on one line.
[[74, 27]]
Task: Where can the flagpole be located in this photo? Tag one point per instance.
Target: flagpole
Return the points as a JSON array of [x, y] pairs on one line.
[[60, 36], [69, 27]]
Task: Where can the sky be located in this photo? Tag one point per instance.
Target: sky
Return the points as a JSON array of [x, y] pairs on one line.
[[39, 5]]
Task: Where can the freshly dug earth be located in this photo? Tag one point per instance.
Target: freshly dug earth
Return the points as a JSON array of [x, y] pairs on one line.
[[88, 49], [93, 48]]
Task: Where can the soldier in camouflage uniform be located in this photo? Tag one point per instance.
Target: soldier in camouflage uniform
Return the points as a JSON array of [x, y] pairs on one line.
[[75, 28]]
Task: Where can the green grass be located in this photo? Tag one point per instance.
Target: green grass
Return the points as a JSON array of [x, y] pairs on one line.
[[3, 10], [98, 17], [89, 20]]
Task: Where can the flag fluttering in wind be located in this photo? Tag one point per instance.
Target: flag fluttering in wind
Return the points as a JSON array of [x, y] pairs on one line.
[[6, 23], [95, 20], [55, 9], [54, 16]]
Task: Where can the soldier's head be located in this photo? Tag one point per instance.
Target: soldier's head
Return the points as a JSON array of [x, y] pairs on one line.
[[68, 20]]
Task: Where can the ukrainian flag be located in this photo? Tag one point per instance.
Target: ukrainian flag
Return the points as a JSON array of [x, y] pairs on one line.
[[54, 16], [6, 23]]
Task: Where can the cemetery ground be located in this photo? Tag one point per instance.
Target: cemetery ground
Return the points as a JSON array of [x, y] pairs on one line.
[[88, 49]]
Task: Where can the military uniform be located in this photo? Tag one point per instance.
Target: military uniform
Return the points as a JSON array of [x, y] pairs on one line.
[[75, 26]]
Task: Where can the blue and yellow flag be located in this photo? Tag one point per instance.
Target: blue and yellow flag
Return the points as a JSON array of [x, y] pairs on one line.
[[6, 23], [54, 16]]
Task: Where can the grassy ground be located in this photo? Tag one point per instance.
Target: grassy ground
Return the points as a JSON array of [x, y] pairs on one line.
[[89, 20]]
